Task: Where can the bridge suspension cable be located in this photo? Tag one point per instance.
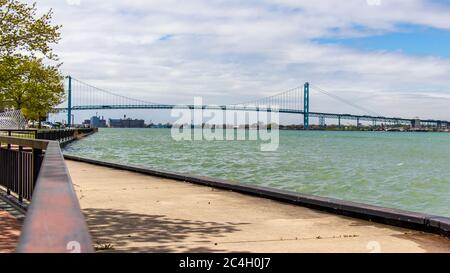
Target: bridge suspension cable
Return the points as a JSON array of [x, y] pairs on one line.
[[291, 99], [84, 94], [87, 95], [364, 109]]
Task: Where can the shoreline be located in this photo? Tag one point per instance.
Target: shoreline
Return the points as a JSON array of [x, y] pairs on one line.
[[297, 130], [394, 217]]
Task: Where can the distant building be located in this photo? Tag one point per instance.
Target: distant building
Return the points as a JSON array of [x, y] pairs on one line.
[[97, 122], [126, 123], [86, 123]]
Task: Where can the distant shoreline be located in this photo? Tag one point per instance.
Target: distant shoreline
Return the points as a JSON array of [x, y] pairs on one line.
[[312, 129]]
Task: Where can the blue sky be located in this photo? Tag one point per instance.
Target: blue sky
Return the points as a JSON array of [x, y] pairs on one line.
[[407, 39], [394, 52]]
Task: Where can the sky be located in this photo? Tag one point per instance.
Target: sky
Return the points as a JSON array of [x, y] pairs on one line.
[[389, 56]]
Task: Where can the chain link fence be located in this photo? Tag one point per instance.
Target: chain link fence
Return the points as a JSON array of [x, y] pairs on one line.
[[12, 120]]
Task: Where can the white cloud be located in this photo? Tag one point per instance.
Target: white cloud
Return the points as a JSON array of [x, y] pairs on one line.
[[167, 50]]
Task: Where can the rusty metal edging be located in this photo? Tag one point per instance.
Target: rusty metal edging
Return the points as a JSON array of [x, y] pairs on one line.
[[24, 142], [394, 217], [54, 222]]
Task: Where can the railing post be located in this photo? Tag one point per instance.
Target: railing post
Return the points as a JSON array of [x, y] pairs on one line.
[[9, 145], [8, 170], [20, 174]]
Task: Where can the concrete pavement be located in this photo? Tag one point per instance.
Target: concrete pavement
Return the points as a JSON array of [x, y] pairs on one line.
[[131, 212]]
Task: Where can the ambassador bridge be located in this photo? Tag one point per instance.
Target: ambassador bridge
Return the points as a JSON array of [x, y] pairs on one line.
[[82, 96]]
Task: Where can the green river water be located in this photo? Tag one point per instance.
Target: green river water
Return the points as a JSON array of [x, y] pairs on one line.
[[399, 170]]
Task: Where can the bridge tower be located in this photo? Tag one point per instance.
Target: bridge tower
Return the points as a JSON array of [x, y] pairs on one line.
[[322, 123], [306, 107], [69, 101]]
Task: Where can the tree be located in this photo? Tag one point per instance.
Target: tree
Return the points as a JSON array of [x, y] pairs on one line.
[[27, 81], [34, 88], [21, 30]]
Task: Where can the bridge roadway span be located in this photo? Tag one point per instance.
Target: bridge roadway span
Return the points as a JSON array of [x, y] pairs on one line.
[[131, 212], [398, 120]]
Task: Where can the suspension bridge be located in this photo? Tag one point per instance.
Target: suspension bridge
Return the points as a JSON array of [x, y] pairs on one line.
[[82, 96]]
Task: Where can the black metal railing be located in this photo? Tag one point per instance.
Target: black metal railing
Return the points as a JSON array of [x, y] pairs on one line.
[[20, 162], [63, 135], [34, 171], [60, 135]]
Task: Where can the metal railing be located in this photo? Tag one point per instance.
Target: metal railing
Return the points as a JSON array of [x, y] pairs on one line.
[[60, 135], [20, 162], [34, 171], [64, 135]]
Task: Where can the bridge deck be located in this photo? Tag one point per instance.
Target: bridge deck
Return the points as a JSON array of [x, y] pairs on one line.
[[139, 213]]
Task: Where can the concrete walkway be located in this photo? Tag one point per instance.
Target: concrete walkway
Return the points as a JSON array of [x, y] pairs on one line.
[[130, 212], [10, 225]]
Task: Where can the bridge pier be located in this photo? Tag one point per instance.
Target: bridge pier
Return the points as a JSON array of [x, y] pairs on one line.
[[322, 121], [415, 123]]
